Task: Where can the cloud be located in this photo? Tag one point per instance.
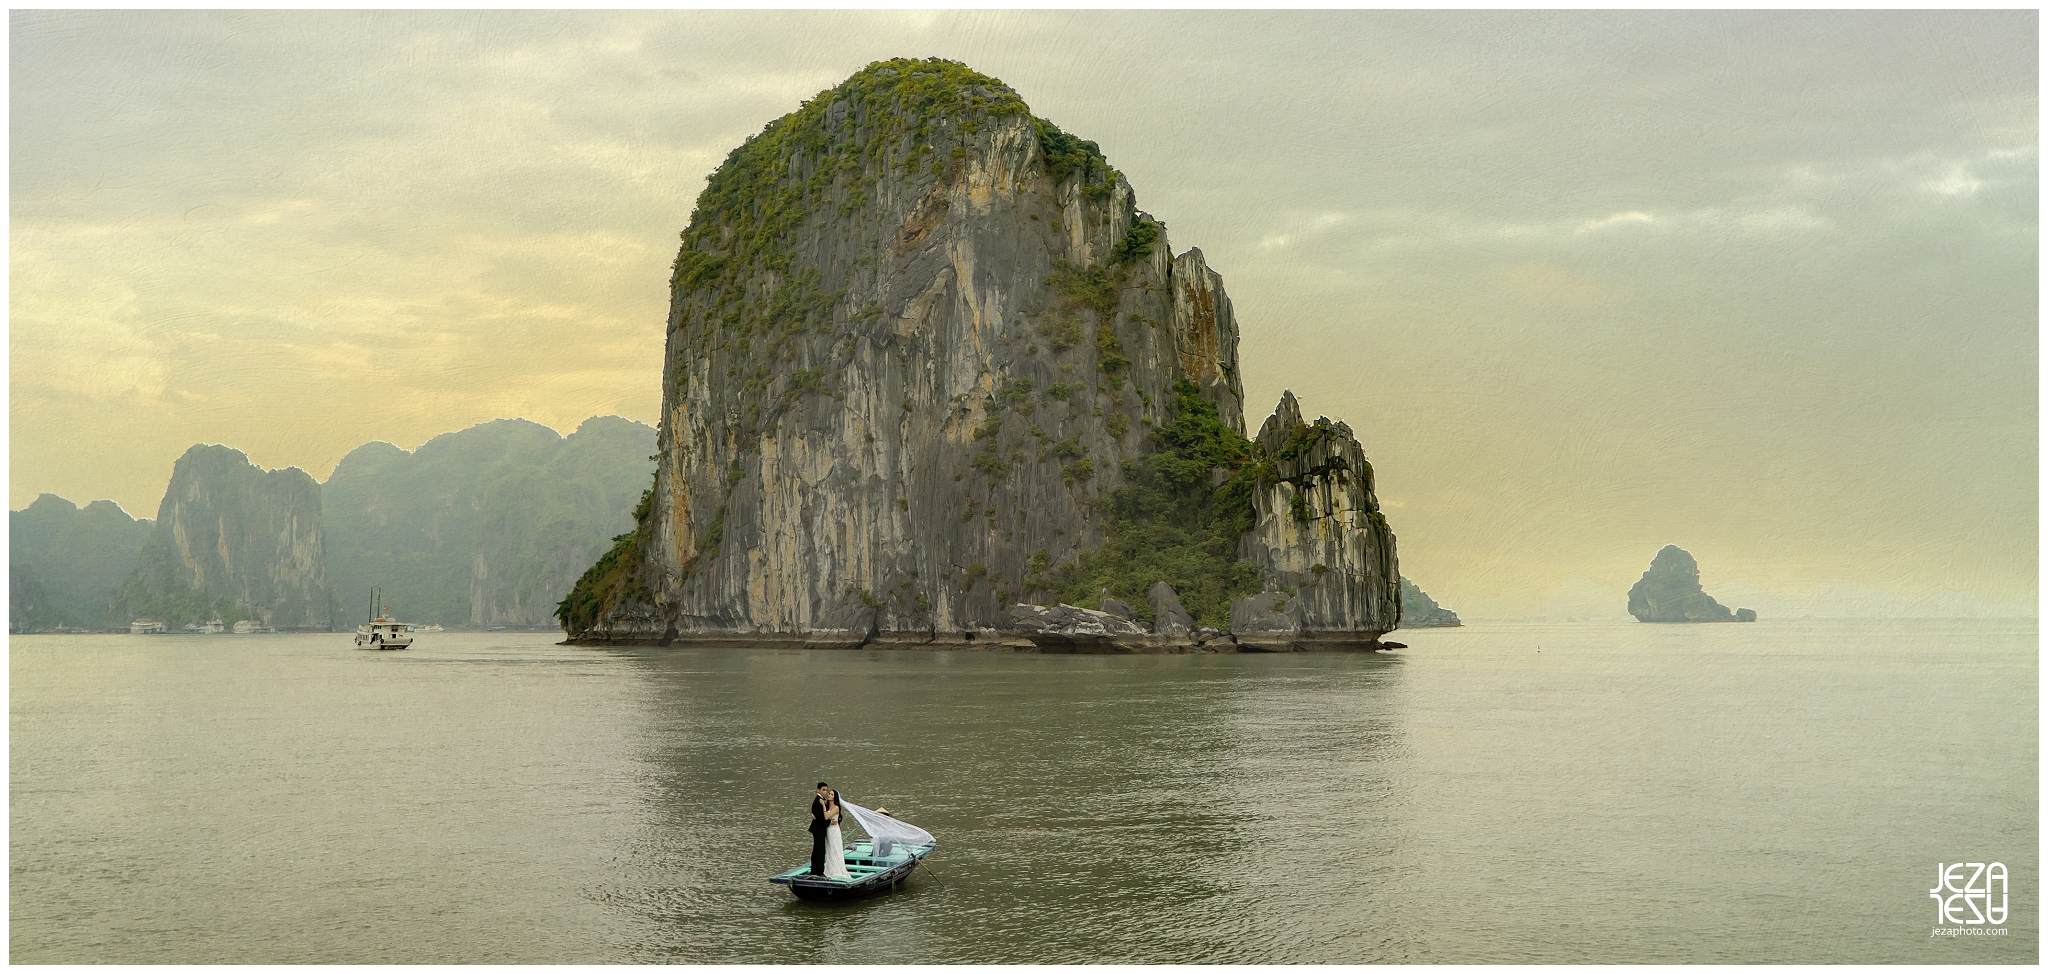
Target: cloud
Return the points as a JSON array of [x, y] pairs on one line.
[[1957, 181], [77, 333], [1616, 220]]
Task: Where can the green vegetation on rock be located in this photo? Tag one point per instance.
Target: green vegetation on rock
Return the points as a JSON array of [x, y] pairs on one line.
[[745, 297], [616, 575], [1095, 287], [817, 155], [1170, 521], [820, 162], [1066, 155]]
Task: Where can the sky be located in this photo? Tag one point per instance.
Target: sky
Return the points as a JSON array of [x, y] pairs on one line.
[[1762, 285]]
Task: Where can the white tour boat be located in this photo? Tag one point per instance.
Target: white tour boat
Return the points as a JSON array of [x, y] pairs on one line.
[[381, 632]]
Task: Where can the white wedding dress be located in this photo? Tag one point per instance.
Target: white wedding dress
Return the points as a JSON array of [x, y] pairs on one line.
[[835, 854]]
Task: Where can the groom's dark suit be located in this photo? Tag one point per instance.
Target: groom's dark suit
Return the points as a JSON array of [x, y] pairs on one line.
[[818, 826]]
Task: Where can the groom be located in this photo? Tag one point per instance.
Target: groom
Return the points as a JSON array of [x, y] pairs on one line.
[[818, 826]]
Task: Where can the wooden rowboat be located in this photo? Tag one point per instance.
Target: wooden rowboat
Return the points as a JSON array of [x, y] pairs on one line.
[[870, 873]]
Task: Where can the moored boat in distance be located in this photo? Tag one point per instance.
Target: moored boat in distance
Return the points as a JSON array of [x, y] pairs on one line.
[[147, 626], [429, 627], [216, 627], [250, 626]]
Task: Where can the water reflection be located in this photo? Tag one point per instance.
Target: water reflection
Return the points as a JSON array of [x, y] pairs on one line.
[[1319, 789]]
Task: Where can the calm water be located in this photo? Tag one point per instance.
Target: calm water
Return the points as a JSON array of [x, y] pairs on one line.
[[1771, 792]]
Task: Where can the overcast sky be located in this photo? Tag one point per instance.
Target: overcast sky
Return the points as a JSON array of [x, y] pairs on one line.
[[1760, 285]]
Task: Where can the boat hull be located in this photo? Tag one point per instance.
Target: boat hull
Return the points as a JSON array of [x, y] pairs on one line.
[[872, 877], [832, 891]]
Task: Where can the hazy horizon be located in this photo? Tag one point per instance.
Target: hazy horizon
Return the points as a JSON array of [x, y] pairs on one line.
[[1760, 285]]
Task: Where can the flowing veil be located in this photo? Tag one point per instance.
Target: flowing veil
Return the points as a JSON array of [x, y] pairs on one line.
[[883, 828]]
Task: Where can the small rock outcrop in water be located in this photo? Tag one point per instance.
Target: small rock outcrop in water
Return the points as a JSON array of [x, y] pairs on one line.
[[1419, 611], [1670, 592], [232, 541], [1073, 628], [926, 360]]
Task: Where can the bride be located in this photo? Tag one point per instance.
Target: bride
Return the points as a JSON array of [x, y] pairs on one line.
[[835, 848]]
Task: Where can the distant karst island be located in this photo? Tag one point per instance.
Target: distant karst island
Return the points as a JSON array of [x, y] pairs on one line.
[[1670, 592], [932, 378], [1419, 611], [487, 526]]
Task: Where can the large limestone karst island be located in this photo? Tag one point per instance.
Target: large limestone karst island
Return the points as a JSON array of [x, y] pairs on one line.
[[1670, 592], [930, 374]]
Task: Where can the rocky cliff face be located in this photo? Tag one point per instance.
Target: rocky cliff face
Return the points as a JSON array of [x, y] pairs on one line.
[[65, 563], [919, 344], [1419, 611], [1670, 592], [232, 541]]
